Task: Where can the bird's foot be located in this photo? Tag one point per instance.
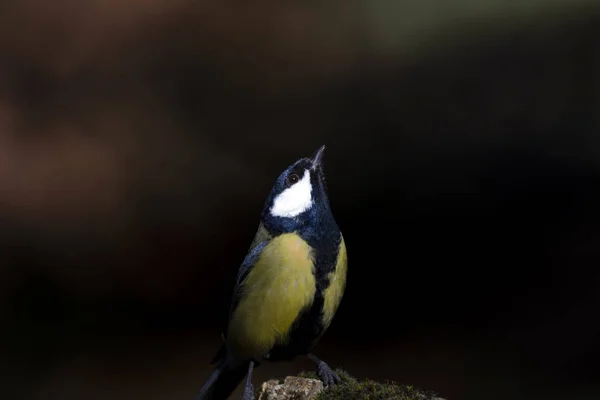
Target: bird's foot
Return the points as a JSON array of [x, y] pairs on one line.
[[326, 374], [248, 392]]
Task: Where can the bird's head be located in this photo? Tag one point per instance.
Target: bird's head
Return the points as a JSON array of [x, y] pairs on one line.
[[299, 195]]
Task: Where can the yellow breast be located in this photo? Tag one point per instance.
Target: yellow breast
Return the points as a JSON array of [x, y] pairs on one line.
[[279, 286], [337, 284]]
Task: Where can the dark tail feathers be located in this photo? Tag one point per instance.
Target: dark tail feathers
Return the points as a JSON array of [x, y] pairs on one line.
[[223, 381]]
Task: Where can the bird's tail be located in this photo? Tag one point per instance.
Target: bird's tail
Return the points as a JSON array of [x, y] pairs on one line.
[[223, 381]]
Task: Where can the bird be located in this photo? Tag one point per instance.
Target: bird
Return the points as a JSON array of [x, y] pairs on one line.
[[289, 286]]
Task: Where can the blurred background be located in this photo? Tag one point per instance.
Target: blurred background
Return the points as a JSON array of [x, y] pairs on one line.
[[139, 140]]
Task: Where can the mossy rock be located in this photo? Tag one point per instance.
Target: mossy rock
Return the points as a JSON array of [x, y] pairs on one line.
[[352, 389]]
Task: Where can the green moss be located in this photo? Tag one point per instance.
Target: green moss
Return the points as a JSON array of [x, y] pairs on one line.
[[353, 389]]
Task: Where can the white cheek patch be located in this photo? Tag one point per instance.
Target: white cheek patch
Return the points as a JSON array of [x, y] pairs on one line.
[[294, 200]]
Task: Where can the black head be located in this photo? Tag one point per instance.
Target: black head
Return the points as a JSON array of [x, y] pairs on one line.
[[298, 197]]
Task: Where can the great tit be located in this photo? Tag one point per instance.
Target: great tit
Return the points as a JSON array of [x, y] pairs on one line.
[[289, 286]]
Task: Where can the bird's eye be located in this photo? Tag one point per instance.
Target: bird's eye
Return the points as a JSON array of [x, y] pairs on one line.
[[293, 178]]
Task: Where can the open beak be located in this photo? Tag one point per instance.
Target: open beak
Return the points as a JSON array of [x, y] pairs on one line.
[[317, 159]]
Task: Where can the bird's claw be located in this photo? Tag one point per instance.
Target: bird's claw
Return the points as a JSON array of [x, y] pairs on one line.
[[248, 392], [327, 375]]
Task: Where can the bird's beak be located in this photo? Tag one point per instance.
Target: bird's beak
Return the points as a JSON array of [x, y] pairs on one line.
[[317, 159]]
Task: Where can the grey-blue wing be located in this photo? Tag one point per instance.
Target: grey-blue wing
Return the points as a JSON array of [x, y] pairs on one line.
[[243, 272]]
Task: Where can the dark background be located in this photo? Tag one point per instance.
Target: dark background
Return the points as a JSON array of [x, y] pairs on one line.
[[138, 141]]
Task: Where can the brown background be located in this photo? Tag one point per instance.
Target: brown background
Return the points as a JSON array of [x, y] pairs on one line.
[[138, 141]]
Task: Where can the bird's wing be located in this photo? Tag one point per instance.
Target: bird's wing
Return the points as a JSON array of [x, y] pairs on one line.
[[243, 272]]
